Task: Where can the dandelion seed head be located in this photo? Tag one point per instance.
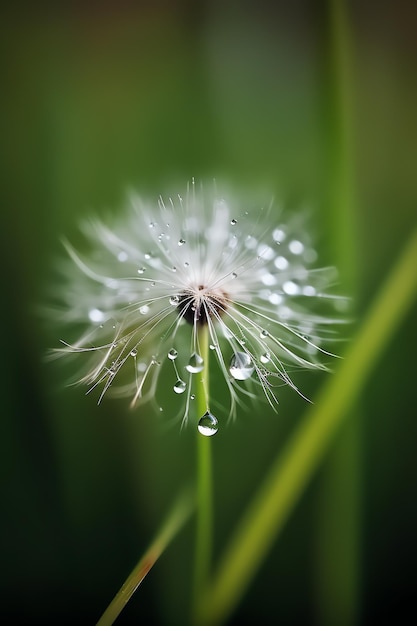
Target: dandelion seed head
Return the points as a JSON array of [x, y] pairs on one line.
[[153, 278]]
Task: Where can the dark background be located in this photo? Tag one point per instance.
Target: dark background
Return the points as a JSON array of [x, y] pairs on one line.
[[97, 97]]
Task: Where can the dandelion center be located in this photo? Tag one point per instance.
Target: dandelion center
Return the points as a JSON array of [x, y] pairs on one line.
[[198, 304]]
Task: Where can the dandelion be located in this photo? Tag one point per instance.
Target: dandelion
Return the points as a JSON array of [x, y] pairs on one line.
[[193, 283]]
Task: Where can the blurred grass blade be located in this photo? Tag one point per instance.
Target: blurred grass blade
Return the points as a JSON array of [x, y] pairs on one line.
[[179, 515], [290, 473]]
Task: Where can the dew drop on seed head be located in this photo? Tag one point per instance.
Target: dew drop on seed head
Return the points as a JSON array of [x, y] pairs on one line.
[[296, 247], [290, 288], [173, 268], [263, 334], [195, 364], [180, 386], [278, 235], [265, 357], [234, 275], [133, 352], [174, 300], [141, 270], [181, 242], [95, 315], [192, 397], [143, 310], [172, 354], [281, 263], [241, 366], [233, 222], [208, 425]]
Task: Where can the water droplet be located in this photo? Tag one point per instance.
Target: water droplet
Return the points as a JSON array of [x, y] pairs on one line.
[[195, 364], [234, 275], [296, 247], [213, 346], [174, 300], [152, 225], [186, 264], [141, 270], [143, 310], [275, 298], [180, 386], [266, 252], [122, 256], [173, 268], [95, 315], [309, 290], [268, 279], [263, 334], [148, 256], [181, 242], [290, 288], [208, 425], [133, 352], [172, 354], [281, 263], [241, 366], [265, 357], [192, 397], [278, 235], [233, 222]]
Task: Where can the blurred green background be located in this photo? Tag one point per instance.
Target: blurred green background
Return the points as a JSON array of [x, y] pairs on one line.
[[98, 97]]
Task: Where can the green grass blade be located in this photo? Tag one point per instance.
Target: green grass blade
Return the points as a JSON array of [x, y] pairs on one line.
[[179, 515], [290, 473]]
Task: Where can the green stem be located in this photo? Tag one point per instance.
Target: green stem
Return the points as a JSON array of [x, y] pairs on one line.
[[179, 515], [338, 506], [292, 469], [204, 477]]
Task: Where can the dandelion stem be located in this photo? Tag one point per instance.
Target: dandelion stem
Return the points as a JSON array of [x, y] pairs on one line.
[[179, 515], [204, 478], [293, 468]]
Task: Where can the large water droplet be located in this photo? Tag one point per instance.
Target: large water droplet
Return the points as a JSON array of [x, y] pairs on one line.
[[180, 386], [133, 352], [208, 425], [195, 364], [241, 366], [265, 357], [143, 310], [172, 354]]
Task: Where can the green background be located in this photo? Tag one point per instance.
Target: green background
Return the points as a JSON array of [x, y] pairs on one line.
[[101, 97]]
